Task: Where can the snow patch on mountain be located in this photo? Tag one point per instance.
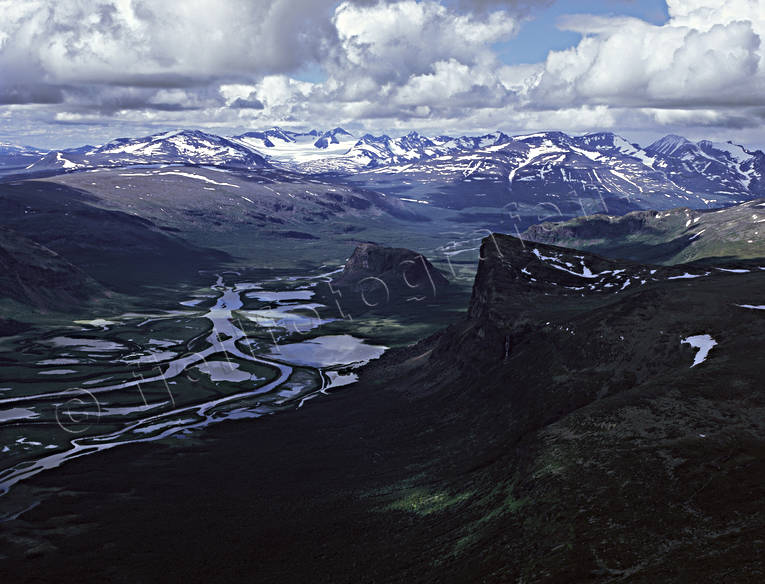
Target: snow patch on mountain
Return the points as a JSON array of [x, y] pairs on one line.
[[703, 343]]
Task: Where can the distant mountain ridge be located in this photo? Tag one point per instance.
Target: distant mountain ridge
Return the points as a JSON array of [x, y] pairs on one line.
[[550, 175], [542, 167], [14, 156], [669, 237]]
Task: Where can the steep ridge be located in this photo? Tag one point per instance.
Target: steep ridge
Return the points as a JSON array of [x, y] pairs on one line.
[[522, 284]]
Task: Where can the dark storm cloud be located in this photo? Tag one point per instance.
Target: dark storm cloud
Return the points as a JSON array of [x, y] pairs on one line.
[[30, 94], [241, 103], [161, 80]]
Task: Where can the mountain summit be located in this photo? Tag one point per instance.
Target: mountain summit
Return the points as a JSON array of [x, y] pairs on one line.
[[176, 147]]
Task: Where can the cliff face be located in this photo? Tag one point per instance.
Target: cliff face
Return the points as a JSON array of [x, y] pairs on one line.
[[519, 281], [400, 271], [37, 276], [575, 314], [571, 380], [570, 327]]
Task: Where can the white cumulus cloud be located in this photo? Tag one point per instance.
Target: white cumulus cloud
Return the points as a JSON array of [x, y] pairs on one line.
[[708, 54], [125, 66]]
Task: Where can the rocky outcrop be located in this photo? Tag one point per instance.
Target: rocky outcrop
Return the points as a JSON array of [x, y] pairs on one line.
[[517, 279], [390, 271]]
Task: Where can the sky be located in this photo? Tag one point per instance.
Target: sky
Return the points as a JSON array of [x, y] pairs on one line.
[[76, 72]]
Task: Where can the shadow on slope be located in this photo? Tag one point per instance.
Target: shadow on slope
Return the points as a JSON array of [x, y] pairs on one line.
[[120, 250]]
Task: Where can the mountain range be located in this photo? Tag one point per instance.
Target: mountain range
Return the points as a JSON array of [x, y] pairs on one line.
[[532, 177], [554, 175], [238, 194]]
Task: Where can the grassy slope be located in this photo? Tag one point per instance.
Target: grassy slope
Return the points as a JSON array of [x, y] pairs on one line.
[[668, 237]]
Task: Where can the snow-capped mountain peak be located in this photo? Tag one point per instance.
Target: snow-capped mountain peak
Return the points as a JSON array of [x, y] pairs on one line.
[[335, 136], [669, 145], [175, 147]]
